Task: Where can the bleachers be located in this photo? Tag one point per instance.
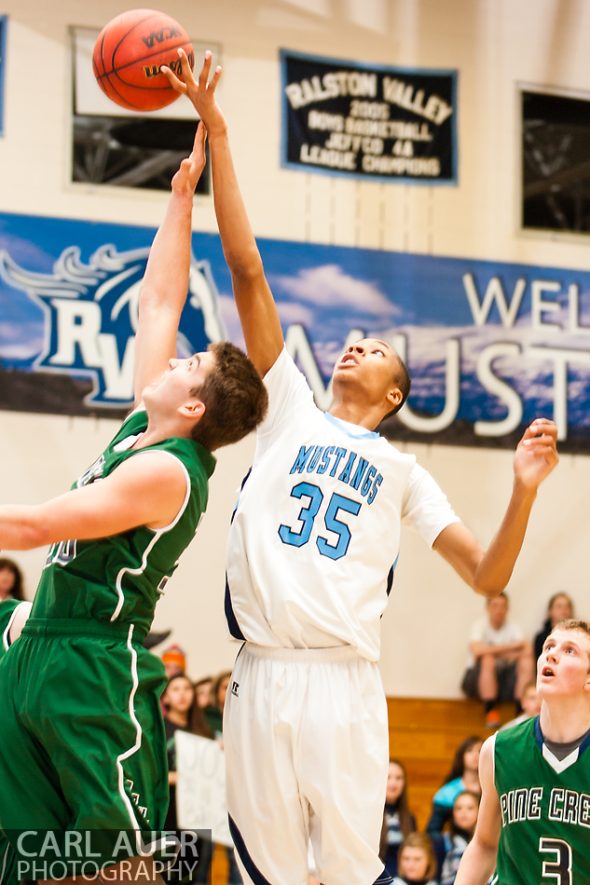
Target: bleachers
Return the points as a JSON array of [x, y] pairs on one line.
[[424, 734]]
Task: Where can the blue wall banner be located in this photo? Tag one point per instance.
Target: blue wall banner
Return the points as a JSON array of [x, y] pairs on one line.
[[368, 121], [490, 345], [3, 31]]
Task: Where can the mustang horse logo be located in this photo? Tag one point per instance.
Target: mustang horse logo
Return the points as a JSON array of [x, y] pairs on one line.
[[91, 315]]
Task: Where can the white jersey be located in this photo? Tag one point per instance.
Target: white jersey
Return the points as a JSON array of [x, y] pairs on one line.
[[316, 533]]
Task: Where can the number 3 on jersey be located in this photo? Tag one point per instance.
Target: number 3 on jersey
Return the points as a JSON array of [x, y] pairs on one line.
[[337, 503], [559, 866]]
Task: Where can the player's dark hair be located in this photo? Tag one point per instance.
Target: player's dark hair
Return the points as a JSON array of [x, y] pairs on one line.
[[16, 591], [458, 763], [234, 396], [403, 382]]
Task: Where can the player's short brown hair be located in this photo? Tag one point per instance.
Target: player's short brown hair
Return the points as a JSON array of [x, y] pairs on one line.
[[574, 624], [234, 396]]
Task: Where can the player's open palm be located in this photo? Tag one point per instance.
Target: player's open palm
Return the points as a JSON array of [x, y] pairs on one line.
[[201, 91], [536, 453]]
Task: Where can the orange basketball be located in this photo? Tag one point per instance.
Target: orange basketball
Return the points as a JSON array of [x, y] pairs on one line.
[[128, 54]]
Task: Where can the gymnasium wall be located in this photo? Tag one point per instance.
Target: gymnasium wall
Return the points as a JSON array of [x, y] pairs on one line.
[[493, 46]]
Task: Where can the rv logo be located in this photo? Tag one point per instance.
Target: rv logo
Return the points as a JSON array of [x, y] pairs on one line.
[[91, 315]]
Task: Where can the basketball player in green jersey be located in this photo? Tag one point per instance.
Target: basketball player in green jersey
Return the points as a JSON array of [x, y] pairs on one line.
[[79, 694], [534, 818]]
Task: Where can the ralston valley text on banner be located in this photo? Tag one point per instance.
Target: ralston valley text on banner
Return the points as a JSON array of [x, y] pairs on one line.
[[359, 120]]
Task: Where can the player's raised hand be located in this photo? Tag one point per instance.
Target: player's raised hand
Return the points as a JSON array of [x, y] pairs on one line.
[[201, 91], [536, 453], [187, 177]]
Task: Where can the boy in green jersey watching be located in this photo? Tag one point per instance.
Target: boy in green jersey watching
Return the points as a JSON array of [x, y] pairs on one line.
[[534, 818], [79, 694]]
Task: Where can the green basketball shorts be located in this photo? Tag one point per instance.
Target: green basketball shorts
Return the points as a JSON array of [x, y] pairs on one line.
[[80, 712]]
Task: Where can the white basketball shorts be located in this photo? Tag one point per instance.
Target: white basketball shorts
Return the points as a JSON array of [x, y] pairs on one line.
[[307, 747]]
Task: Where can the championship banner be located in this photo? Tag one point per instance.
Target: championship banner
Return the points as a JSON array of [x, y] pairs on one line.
[[368, 121], [200, 786], [3, 30], [489, 345]]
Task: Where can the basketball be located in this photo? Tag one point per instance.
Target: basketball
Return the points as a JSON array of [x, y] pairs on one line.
[[129, 52]]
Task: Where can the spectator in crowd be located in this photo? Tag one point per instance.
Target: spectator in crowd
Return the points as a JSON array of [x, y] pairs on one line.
[[461, 830], [398, 820], [417, 863], [559, 608], [214, 712], [500, 662], [181, 712], [464, 775], [531, 706], [203, 689], [174, 660], [11, 580]]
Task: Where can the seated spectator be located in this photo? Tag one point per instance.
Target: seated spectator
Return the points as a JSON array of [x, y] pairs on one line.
[[559, 608], [203, 689], [461, 829], [174, 660], [464, 775], [531, 706], [214, 712], [501, 661], [398, 820], [417, 863], [11, 580]]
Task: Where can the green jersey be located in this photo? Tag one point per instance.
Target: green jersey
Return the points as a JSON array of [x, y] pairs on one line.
[[120, 578], [7, 610], [545, 808]]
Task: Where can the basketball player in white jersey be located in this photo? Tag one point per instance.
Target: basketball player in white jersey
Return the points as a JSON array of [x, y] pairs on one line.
[[313, 545]]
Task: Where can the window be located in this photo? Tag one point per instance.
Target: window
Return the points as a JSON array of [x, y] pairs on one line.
[[116, 147], [555, 162]]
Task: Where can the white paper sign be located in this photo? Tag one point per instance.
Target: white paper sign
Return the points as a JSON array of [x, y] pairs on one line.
[[200, 786]]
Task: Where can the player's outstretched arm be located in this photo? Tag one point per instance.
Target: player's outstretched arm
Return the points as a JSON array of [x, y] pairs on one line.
[[488, 571], [258, 313], [147, 490], [479, 860], [165, 284]]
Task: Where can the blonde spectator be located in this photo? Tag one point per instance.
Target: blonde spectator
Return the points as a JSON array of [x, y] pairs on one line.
[[417, 863]]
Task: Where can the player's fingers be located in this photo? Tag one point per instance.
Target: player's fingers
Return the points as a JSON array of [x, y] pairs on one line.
[[539, 426], [176, 84], [185, 68], [204, 75], [200, 136], [543, 450], [540, 438], [216, 78]]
